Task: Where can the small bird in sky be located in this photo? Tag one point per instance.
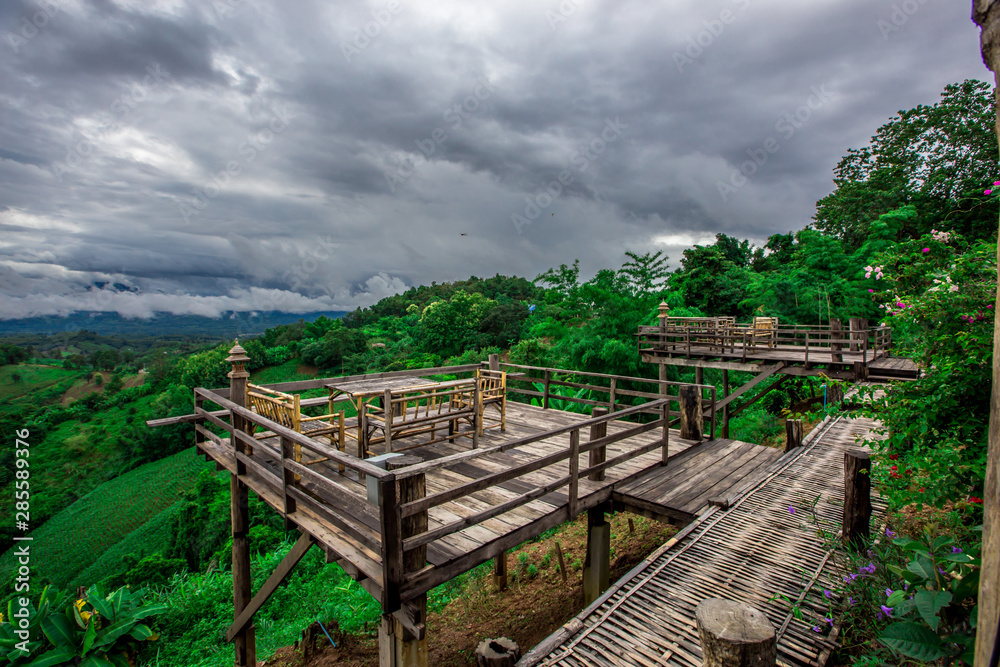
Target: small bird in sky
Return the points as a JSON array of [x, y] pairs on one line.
[[464, 234]]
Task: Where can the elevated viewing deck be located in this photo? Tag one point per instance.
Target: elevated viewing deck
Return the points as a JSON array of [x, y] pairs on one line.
[[468, 488], [853, 353]]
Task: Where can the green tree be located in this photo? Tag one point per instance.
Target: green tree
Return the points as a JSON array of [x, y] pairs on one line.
[[938, 158], [646, 273]]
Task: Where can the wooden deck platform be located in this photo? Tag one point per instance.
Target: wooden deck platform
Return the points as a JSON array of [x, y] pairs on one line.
[[752, 552], [695, 472]]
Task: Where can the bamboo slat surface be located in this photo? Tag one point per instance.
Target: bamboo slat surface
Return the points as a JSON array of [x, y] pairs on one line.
[[754, 552]]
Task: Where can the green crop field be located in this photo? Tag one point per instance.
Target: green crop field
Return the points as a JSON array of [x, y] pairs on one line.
[[32, 378], [73, 540]]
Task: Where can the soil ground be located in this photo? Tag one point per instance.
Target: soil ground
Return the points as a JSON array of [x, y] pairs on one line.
[[536, 603]]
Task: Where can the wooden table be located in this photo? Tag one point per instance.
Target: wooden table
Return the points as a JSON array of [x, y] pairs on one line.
[[358, 391]]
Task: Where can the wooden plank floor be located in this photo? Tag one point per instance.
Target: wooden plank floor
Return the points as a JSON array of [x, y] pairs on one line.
[[749, 553], [695, 472]]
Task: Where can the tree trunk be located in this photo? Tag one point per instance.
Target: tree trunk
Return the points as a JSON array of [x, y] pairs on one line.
[[500, 652]]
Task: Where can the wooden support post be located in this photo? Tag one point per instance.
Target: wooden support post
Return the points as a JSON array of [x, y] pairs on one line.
[[725, 408], [500, 571], [388, 411], [500, 652], [857, 496], [793, 434], [836, 346], [691, 415], [562, 562], [597, 564], [598, 455], [494, 362], [245, 641], [860, 371], [574, 472], [612, 394], [699, 375], [735, 635], [663, 380], [834, 394], [398, 646]]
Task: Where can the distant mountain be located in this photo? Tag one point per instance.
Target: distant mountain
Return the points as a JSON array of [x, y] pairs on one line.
[[228, 326]]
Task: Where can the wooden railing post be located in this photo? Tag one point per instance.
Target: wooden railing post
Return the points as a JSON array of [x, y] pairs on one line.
[[245, 642], [691, 414], [857, 496], [410, 650], [836, 346], [388, 411], [494, 362], [545, 394], [598, 455], [288, 478], [574, 471], [807, 350], [612, 394], [665, 433], [725, 408]]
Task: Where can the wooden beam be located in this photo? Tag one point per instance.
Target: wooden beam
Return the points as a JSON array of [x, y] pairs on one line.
[[285, 567], [743, 406], [767, 372]]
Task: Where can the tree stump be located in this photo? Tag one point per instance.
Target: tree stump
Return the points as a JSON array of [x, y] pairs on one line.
[[735, 635], [501, 652]]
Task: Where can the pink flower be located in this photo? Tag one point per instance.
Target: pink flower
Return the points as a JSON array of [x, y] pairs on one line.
[[927, 249], [872, 291], [996, 182], [986, 192]]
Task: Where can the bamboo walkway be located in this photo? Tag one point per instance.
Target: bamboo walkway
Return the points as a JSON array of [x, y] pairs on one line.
[[754, 551]]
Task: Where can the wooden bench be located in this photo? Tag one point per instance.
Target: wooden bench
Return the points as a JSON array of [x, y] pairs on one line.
[[407, 413], [286, 410]]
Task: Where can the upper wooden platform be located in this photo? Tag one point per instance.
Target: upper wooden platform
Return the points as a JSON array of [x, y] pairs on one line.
[[806, 350]]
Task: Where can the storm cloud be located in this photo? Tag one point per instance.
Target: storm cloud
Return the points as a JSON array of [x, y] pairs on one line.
[[196, 157]]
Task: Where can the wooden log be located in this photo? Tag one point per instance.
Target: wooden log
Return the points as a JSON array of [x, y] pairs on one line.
[[494, 362], [500, 652], [793, 434], [598, 455], [691, 417], [735, 635], [857, 496]]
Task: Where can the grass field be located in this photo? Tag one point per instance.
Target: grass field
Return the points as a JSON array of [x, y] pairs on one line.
[[290, 371], [75, 538]]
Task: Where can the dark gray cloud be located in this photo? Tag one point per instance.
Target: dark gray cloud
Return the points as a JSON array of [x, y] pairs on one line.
[[250, 154]]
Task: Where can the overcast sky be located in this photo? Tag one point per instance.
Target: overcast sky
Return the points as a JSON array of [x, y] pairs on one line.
[[198, 157]]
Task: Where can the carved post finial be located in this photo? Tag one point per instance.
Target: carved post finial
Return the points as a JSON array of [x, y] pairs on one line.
[[238, 358]]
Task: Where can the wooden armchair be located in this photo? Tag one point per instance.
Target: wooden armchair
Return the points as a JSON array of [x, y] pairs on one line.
[[414, 412], [286, 410]]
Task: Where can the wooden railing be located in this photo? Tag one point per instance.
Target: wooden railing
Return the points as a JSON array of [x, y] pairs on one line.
[[870, 344], [616, 388]]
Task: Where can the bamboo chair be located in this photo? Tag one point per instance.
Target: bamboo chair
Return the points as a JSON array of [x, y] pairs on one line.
[[765, 328], [286, 410], [409, 413], [493, 394]]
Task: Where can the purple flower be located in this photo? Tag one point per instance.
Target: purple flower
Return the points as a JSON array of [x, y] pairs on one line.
[[887, 611], [956, 550], [850, 601], [816, 628], [889, 534], [829, 620], [888, 592], [827, 594], [870, 568], [791, 509]]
